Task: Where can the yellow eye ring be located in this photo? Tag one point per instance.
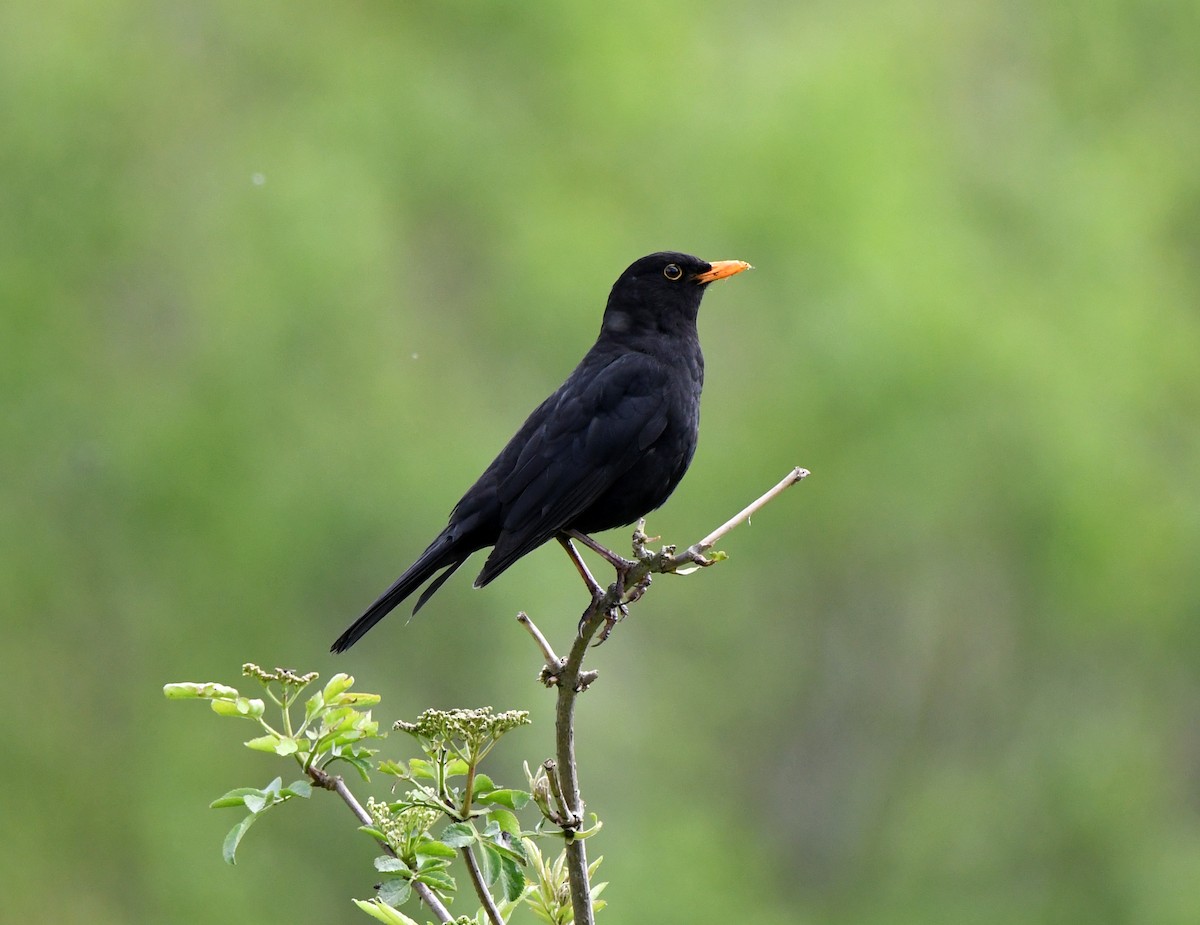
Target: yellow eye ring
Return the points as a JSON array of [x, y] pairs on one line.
[[672, 272]]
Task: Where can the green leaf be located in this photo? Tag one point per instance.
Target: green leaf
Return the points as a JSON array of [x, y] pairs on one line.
[[506, 822], [507, 852], [382, 912], [359, 699], [223, 707], [299, 788], [287, 746], [238, 706], [511, 880], [430, 848], [338, 718], [483, 784], [420, 768], [459, 834], [395, 892], [517, 847], [190, 690], [387, 864], [456, 767], [426, 864], [499, 841], [438, 879], [489, 862], [313, 706], [234, 838], [395, 768], [362, 765], [234, 797], [336, 685], [513, 799], [257, 802], [267, 743], [595, 826], [539, 911]]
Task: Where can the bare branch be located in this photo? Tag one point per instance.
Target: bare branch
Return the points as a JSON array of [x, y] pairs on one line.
[[560, 812], [568, 674], [567, 771], [796, 475], [553, 662], [485, 895]]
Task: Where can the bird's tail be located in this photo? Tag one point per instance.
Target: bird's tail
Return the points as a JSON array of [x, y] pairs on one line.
[[444, 552]]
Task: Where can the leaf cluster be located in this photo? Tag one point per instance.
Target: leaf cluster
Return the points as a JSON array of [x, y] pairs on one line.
[[483, 825], [331, 728], [478, 818]]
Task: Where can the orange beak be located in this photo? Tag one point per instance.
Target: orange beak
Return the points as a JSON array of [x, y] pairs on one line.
[[721, 269]]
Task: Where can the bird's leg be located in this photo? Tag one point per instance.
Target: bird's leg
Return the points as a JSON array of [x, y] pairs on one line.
[[593, 586], [620, 563]]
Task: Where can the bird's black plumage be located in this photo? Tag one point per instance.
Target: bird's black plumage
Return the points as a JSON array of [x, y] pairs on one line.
[[606, 448]]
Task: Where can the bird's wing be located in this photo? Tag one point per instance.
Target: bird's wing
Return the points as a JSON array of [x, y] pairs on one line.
[[592, 434]]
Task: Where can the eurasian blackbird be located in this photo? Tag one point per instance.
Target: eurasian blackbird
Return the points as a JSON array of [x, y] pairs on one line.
[[606, 448]]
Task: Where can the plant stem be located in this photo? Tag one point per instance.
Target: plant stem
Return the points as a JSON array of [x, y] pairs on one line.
[[569, 688], [552, 660], [469, 791], [481, 889], [753, 508]]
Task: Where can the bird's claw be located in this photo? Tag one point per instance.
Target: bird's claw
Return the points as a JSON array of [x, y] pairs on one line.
[[635, 593], [611, 619]]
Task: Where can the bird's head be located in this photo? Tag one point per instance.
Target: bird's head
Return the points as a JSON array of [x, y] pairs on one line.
[[662, 292]]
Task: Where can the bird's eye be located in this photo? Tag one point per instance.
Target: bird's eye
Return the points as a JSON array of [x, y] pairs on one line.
[[672, 271]]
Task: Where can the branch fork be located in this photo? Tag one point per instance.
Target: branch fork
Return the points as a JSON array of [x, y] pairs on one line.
[[609, 607]]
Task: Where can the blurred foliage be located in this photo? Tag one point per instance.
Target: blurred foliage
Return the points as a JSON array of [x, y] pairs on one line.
[[278, 279]]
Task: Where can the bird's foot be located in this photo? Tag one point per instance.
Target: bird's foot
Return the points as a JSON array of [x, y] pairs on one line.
[[620, 563], [614, 616], [635, 593], [623, 567], [598, 598], [617, 590]]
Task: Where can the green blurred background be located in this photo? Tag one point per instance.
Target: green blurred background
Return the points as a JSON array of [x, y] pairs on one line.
[[278, 279]]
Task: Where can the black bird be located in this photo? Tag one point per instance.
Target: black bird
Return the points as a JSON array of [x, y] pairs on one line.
[[605, 449]]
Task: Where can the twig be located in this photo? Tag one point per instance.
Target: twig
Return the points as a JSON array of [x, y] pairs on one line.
[[571, 679], [553, 662], [559, 812], [697, 553], [796, 475], [569, 688], [485, 895], [334, 782]]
